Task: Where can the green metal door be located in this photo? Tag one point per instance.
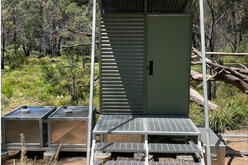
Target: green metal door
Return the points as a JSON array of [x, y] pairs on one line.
[[168, 49]]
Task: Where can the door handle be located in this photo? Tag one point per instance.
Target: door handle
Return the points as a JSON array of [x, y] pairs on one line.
[[150, 67]]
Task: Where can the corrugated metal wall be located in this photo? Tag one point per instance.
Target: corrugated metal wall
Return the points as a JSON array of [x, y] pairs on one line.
[[122, 64]]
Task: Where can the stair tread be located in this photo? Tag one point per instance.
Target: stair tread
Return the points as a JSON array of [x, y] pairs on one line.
[[146, 125], [120, 147], [153, 147], [111, 162], [173, 148]]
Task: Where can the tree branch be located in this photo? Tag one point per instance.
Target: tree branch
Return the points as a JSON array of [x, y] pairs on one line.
[[231, 75]]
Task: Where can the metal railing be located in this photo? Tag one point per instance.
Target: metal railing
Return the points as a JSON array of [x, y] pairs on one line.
[[91, 81], [205, 82]]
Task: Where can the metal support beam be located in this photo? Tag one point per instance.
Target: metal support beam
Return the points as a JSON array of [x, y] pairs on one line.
[[147, 150], [201, 149], [92, 150], [208, 153], [91, 81]]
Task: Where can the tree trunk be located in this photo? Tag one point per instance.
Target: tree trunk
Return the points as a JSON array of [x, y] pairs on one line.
[[14, 36], [3, 50], [26, 51], [234, 27], [42, 38], [77, 52], [83, 62], [59, 45], [213, 89]]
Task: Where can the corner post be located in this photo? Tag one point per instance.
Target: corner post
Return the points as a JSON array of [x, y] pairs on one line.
[[208, 153], [91, 81]]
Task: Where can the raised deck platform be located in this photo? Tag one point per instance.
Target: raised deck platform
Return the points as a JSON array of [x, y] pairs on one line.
[[147, 126], [143, 124]]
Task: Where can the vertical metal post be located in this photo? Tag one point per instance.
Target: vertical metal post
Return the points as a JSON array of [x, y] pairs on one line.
[[92, 150], [91, 81], [205, 82], [147, 150]]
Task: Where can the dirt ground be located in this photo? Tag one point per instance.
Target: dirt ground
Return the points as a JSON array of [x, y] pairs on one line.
[[66, 158], [237, 144]]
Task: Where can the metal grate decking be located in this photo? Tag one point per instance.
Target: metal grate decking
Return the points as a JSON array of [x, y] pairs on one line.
[[119, 124], [120, 147], [141, 124], [173, 148], [153, 147]]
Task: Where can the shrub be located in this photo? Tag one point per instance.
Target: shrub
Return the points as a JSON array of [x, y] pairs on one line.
[[232, 116], [70, 78], [15, 60], [7, 89]]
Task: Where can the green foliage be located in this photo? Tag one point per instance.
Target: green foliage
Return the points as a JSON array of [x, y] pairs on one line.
[[7, 89], [41, 61], [232, 112], [69, 77], [32, 85], [196, 114], [232, 116], [14, 60]]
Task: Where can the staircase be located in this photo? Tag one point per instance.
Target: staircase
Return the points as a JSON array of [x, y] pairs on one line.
[[148, 126]]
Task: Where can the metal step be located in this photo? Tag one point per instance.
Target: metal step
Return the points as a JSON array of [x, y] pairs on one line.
[[153, 147], [120, 147], [142, 163], [173, 148], [146, 124]]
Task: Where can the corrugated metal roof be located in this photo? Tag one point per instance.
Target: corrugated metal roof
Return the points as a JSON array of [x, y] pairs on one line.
[[122, 6], [153, 6]]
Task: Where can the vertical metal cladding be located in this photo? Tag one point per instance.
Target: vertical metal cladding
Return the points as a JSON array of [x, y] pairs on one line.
[[122, 63]]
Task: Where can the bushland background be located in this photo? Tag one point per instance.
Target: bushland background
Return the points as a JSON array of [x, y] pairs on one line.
[[46, 54]]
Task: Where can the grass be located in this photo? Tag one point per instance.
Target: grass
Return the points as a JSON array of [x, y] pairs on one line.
[[27, 85], [232, 112]]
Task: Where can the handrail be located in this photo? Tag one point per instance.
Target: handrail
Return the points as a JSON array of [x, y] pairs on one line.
[[91, 81], [205, 83]]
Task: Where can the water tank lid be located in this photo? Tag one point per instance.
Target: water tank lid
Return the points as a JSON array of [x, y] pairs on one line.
[[30, 112], [70, 112]]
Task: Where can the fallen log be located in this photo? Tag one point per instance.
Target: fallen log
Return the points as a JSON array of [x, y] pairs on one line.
[[222, 76], [226, 54], [198, 76], [231, 75], [231, 79], [199, 100]]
